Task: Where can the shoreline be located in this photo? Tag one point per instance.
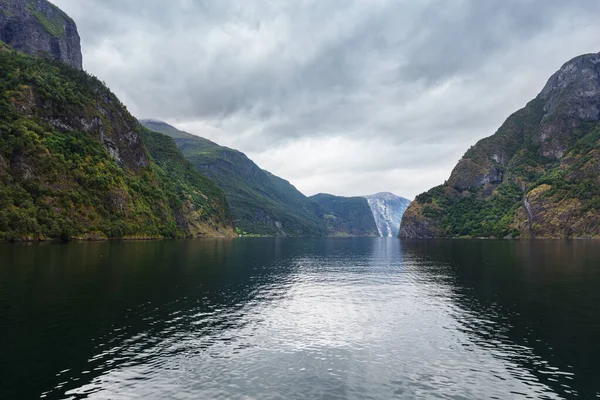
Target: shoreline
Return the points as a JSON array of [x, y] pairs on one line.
[[157, 238]]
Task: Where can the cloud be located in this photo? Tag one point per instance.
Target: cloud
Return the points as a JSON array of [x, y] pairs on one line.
[[342, 96]]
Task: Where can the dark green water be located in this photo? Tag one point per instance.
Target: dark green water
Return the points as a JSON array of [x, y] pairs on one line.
[[300, 319]]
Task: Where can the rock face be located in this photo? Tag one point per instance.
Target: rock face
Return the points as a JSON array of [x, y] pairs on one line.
[[536, 177], [38, 27], [261, 203], [388, 210], [346, 216]]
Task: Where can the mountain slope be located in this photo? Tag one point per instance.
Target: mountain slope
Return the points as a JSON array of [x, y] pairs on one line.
[[538, 176], [73, 164], [346, 216], [387, 210], [38, 27], [260, 202], [200, 207]]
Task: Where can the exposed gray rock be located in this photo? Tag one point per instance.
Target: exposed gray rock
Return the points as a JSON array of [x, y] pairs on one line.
[[117, 131], [38, 27], [571, 98], [541, 136], [387, 211], [575, 88], [121, 137]]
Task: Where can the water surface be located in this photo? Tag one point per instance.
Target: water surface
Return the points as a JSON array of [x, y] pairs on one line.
[[300, 318]]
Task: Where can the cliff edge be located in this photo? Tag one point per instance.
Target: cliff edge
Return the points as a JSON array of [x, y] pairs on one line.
[[38, 27]]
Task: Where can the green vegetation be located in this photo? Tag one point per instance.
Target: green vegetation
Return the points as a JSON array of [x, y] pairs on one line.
[[577, 178], [187, 189], [472, 214], [241, 232], [55, 25], [511, 184], [346, 216], [64, 183], [261, 203]]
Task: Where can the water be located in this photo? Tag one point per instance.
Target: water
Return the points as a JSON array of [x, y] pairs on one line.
[[300, 319]]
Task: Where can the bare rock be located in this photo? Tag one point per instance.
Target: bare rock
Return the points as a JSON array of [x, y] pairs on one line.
[[38, 27]]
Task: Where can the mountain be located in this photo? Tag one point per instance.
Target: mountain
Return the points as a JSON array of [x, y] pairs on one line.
[[75, 164], [346, 216], [261, 203], [38, 27], [387, 210], [200, 206], [538, 176]]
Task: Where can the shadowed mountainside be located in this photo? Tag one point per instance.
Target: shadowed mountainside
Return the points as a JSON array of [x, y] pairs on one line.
[[346, 216], [261, 203]]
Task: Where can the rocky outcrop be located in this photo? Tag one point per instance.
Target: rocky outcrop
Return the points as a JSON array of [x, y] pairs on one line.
[[38, 27], [104, 117], [387, 209], [537, 176], [414, 225]]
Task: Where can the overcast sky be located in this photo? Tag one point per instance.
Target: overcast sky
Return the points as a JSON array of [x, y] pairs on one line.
[[348, 97]]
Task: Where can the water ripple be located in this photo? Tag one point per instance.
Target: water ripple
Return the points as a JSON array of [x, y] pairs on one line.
[[339, 319]]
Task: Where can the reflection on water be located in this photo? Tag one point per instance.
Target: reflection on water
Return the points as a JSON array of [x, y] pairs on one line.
[[300, 318], [534, 304]]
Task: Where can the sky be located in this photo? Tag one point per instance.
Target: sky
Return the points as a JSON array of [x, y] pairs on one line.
[[349, 97]]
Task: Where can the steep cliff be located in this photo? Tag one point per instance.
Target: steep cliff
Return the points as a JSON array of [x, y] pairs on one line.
[[538, 176], [261, 203], [73, 163], [38, 27], [388, 210], [346, 216]]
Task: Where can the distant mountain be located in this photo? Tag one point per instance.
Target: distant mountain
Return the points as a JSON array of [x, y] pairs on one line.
[[387, 210], [538, 176], [38, 27], [261, 203], [346, 216]]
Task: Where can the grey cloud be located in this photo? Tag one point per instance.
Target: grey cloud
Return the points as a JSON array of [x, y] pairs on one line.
[[268, 73]]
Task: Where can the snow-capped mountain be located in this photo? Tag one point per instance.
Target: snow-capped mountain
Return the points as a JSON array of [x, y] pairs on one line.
[[387, 210]]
